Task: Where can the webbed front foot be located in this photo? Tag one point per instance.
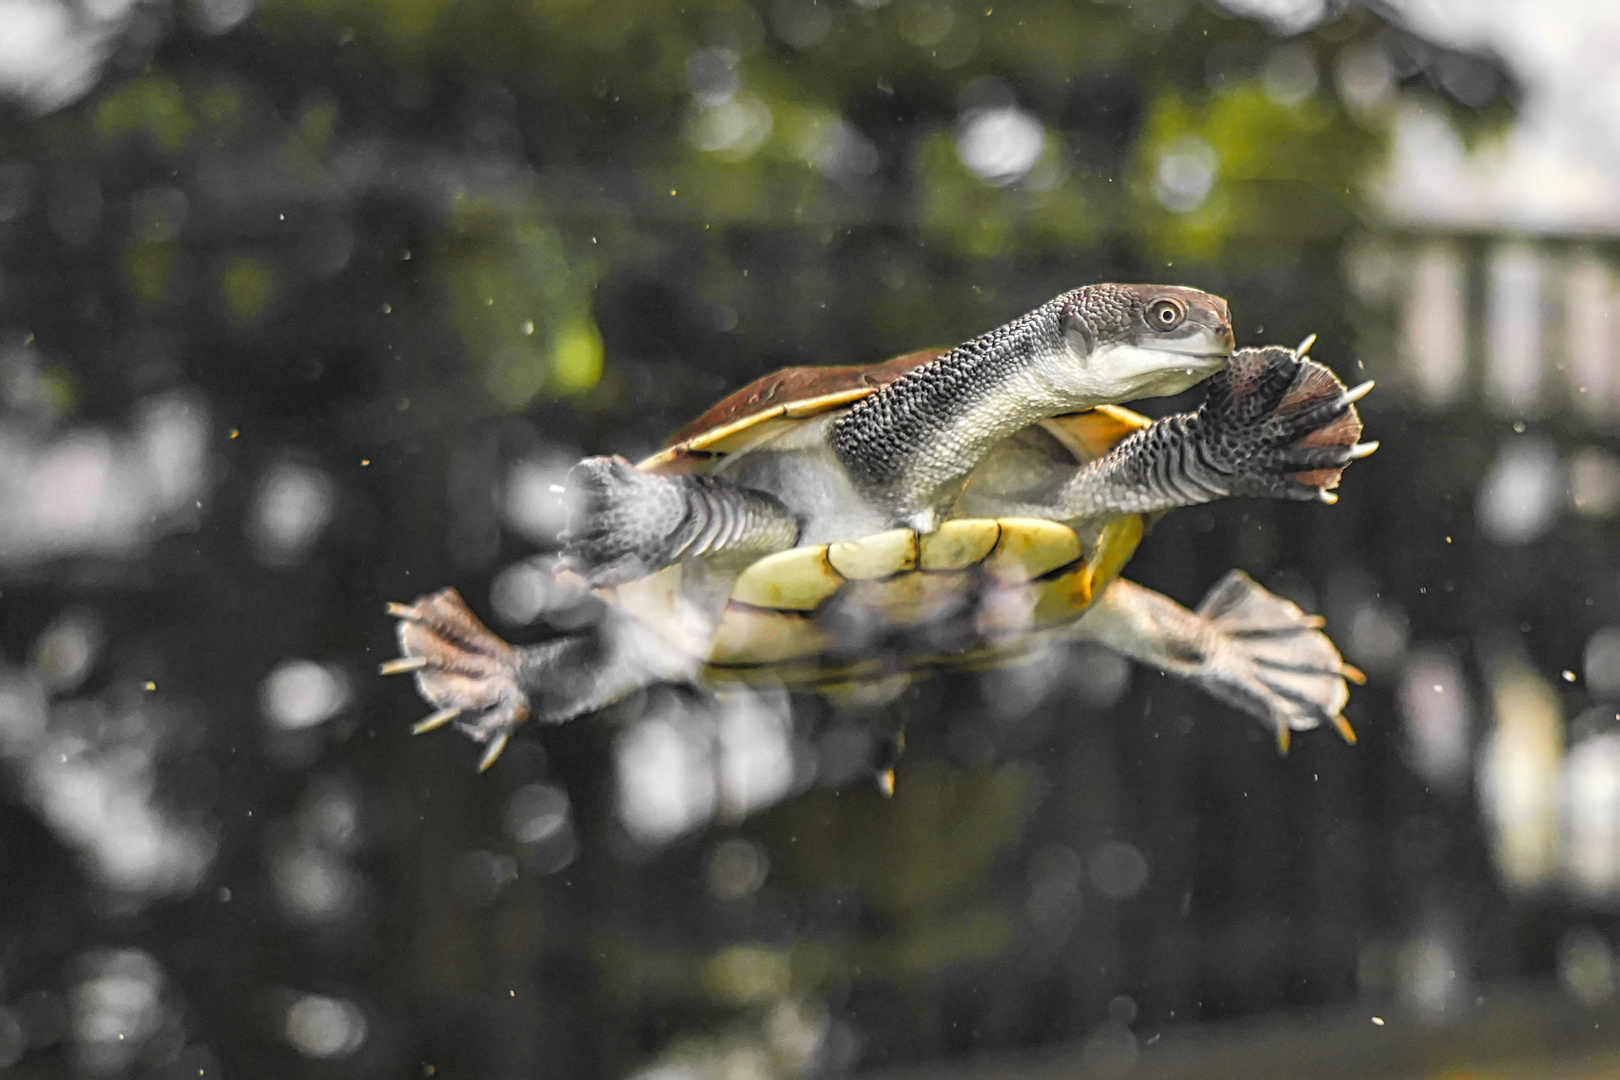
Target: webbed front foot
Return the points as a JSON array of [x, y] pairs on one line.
[[1264, 655], [1278, 425], [463, 669]]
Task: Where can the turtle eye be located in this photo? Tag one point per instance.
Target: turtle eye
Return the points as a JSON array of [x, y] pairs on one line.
[[1166, 313]]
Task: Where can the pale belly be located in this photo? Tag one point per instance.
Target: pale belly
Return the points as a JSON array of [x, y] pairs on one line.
[[800, 469]]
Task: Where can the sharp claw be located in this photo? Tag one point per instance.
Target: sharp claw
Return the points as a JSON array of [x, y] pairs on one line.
[[403, 611], [1346, 732], [1361, 450], [437, 720], [1315, 622], [1356, 393], [885, 783], [1305, 346], [1284, 735], [402, 665], [1354, 674], [493, 750], [1327, 497]]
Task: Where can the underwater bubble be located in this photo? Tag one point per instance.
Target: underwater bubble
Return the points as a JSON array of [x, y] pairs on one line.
[[1594, 483], [477, 877], [67, 649]]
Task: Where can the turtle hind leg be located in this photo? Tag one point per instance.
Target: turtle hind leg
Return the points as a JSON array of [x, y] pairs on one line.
[[627, 524], [486, 687], [1246, 646], [1272, 659]]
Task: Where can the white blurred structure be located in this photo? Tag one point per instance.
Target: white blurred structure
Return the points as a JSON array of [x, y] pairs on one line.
[[90, 770], [1519, 769], [325, 1027], [299, 694], [1000, 144], [1497, 262], [117, 1009], [292, 506], [51, 52], [1436, 705], [89, 490], [1590, 851], [1522, 494], [683, 764]]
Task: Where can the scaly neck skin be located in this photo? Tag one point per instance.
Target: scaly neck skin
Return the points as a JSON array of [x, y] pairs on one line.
[[912, 444]]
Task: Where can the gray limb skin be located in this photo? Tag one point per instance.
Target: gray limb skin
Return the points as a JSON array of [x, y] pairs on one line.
[[628, 523], [1271, 424], [487, 688], [1244, 645]]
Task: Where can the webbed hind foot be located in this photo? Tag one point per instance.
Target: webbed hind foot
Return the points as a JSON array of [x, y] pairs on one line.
[[486, 687], [1272, 660], [465, 671], [1246, 646]]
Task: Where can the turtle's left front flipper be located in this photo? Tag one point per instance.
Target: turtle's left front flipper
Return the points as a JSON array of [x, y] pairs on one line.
[[1244, 645], [1274, 425]]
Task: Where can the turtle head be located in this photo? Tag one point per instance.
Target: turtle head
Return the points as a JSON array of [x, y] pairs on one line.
[[1122, 342]]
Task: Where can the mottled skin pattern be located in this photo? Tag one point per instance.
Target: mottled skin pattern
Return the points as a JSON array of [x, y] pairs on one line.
[[632, 523], [1249, 438], [907, 449], [912, 444]]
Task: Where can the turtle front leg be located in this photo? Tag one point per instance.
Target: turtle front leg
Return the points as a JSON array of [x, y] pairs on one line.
[[1244, 645], [628, 523], [486, 687], [1274, 425]]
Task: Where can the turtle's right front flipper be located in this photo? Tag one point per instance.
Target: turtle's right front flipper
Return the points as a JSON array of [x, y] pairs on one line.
[[627, 524], [1246, 646]]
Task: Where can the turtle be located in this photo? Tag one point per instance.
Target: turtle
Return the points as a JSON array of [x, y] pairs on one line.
[[833, 527]]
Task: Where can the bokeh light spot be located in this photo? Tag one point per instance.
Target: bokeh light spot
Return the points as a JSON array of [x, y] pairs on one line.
[[325, 1027]]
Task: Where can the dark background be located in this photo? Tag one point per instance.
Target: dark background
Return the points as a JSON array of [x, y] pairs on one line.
[[303, 309]]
